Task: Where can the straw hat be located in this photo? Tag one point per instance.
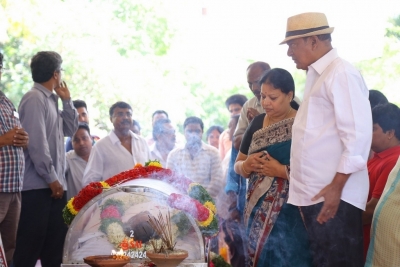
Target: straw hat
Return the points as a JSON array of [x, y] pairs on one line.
[[306, 24]]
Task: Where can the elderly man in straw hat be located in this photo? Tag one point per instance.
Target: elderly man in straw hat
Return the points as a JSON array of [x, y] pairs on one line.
[[331, 140]]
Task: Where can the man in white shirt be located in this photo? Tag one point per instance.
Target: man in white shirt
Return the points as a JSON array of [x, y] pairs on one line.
[[197, 160], [331, 139], [77, 159], [120, 151], [164, 140]]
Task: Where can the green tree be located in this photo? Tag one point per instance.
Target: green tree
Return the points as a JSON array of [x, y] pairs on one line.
[[99, 48]]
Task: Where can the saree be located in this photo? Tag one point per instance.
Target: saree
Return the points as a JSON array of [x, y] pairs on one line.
[[275, 230]]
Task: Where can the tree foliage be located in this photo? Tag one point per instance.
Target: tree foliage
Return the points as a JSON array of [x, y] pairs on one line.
[[101, 43], [395, 30], [128, 50], [383, 73]]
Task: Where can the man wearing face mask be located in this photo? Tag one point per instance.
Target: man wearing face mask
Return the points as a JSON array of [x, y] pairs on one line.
[[197, 160], [120, 151]]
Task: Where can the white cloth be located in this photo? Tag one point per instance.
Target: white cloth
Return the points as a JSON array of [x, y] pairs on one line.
[[332, 133], [108, 157], [243, 122], [74, 173], [204, 168]]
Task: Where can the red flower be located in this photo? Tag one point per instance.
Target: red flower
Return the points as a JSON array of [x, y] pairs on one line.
[[87, 193]]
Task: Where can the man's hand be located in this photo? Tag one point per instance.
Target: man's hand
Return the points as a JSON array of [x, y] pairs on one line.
[[21, 138], [251, 113], [62, 91], [57, 190], [331, 193], [7, 139], [15, 137]]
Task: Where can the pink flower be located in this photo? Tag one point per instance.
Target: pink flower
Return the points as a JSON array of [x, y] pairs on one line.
[[110, 212]]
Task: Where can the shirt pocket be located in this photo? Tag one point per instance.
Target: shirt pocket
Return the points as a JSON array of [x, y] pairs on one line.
[[10, 121], [316, 112]]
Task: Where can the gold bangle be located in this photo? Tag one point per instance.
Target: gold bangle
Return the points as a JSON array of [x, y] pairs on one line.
[[245, 172]]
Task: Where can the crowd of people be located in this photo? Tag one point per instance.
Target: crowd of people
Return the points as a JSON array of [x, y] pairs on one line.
[[296, 183]]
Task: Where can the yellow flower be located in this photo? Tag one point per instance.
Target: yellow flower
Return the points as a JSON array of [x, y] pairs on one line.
[[138, 165], [155, 163], [211, 206], [71, 207], [208, 221], [104, 184]]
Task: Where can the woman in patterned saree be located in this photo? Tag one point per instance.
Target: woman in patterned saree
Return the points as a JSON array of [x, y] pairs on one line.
[[275, 230]]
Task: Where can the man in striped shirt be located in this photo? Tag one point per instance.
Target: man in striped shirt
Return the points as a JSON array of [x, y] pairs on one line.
[[12, 141], [197, 160]]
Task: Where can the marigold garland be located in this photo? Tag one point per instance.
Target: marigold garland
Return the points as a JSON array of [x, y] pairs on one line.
[[71, 207], [111, 213], [211, 206], [155, 163], [208, 221]]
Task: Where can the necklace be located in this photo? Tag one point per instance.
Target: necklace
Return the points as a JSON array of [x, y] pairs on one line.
[[287, 114]]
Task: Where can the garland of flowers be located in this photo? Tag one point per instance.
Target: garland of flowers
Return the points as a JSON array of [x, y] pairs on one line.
[[200, 204], [111, 224]]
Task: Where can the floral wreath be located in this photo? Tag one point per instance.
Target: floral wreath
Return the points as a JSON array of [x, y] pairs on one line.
[[198, 203], [111, 224]]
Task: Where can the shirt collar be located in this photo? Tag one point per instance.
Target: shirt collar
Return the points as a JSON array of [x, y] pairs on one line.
[[73, 156], [43, 89], [388, 152], [114, 138], [321, 64]]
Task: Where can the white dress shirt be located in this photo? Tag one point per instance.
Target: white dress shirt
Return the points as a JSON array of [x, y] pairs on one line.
[[74, 173], [155, 154], [108, 157], [205, 168], [332, 133]]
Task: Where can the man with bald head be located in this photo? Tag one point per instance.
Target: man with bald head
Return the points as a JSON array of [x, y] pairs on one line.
[[331, 138], [253, 106]]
